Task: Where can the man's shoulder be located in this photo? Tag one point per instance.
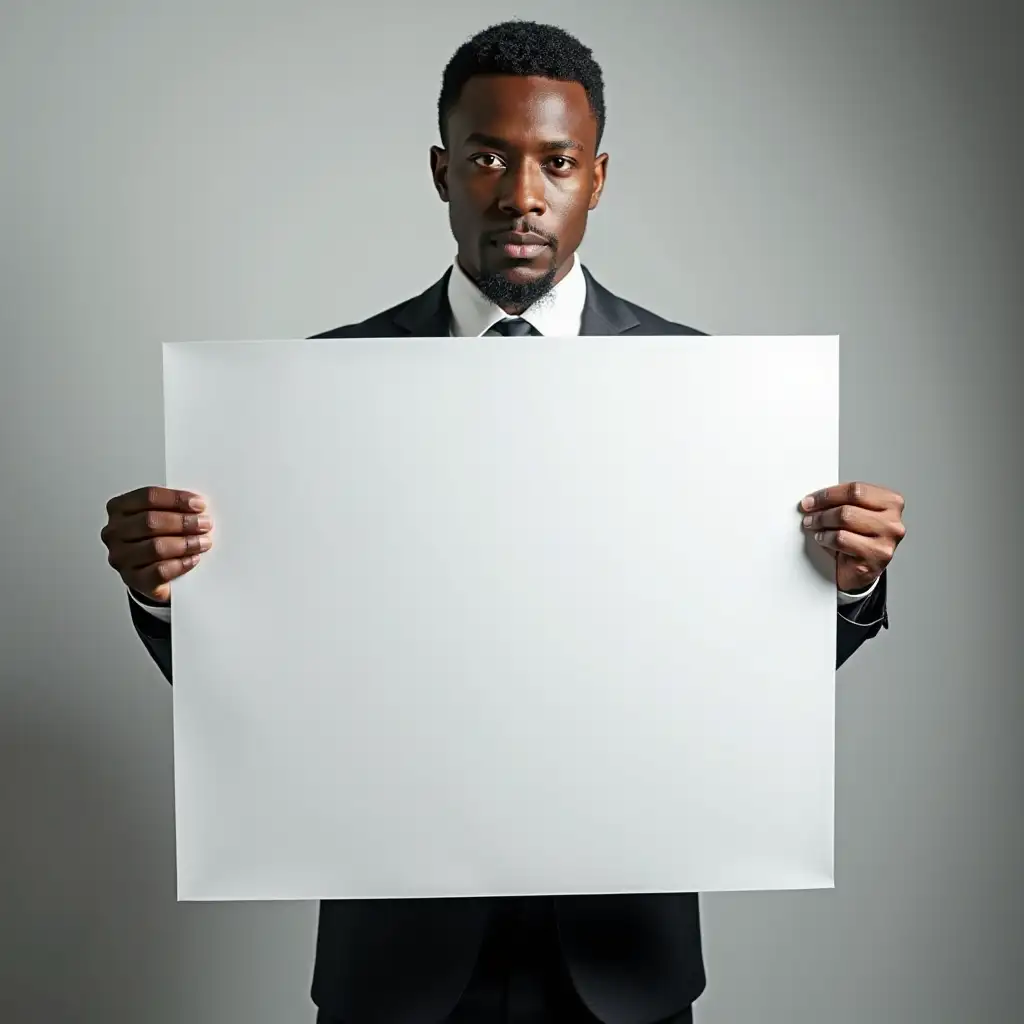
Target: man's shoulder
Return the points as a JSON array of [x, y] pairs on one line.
[[380, 325], [607, 309], [649, 323], [419, 314]]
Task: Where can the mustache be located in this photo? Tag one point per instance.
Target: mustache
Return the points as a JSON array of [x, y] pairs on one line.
[[525, 228]]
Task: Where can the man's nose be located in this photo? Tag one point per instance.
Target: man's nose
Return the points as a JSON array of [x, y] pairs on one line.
[[523, 191]]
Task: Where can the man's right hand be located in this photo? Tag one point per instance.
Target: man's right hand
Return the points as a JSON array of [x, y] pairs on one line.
[[154, 535]]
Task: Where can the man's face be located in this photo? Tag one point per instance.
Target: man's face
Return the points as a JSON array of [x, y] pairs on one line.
[[520, 174]]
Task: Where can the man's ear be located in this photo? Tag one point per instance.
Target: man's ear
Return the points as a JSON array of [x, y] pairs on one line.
[[600, 176], [439, 171]]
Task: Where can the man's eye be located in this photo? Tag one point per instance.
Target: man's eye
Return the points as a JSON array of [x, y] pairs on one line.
[[561, 163], [486, 160]]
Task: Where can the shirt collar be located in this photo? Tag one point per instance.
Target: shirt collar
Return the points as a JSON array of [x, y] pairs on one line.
[[557, 314]]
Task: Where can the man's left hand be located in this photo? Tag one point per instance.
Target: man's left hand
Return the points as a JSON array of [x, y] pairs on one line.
[[860, 525]]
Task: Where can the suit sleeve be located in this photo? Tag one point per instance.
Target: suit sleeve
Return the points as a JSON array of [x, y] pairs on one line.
[[860, 622], [155, 636]]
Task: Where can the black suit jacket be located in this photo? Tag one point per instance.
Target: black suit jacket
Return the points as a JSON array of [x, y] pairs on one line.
[[633, 958]]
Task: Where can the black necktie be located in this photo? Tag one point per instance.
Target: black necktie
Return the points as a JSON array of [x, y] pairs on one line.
[[514, 327]]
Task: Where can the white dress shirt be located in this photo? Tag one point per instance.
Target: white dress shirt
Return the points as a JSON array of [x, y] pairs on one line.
[[557, 314]]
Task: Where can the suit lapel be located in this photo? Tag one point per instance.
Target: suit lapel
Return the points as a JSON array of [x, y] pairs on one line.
[[428, 315], [604, 314]]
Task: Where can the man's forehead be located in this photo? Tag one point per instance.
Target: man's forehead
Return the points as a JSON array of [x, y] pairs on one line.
[[508, 105]]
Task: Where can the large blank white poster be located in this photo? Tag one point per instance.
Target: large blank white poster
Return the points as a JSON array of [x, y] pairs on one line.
[[503, 616]]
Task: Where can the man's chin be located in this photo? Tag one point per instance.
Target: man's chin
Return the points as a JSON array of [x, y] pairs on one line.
[[518, 285], [522, 271]]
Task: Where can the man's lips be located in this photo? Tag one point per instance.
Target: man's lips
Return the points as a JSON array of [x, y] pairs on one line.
[[520, 246]]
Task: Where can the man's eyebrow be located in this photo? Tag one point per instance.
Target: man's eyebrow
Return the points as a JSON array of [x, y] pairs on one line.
[[495, 142], [480, 139], [564, 144]]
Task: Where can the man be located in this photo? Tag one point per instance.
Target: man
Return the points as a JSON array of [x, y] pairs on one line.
[[521, 115]]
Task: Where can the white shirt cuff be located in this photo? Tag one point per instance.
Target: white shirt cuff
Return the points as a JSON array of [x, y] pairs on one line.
[[158, 611], [845, 598]]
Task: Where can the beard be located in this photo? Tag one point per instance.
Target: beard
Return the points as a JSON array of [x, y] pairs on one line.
[[512, 294]]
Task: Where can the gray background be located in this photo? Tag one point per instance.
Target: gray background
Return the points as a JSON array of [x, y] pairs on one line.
[[188, 171]]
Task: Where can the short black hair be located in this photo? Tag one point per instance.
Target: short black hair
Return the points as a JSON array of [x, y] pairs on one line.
[[523, 48]]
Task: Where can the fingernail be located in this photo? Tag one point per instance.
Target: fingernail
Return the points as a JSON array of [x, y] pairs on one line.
[[197, 504], [819, 535], [205, 523], [808, 520], [808, 502], [205, 543]]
